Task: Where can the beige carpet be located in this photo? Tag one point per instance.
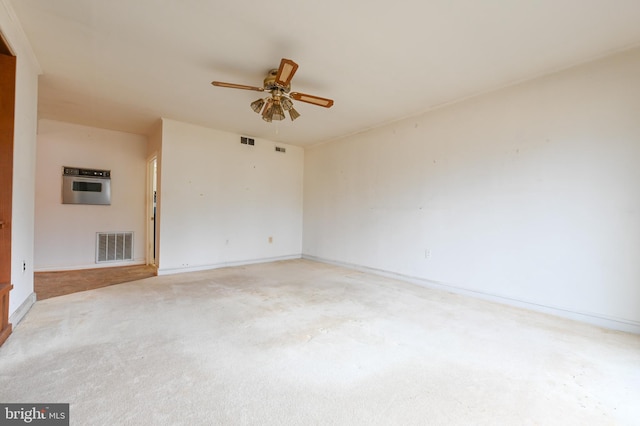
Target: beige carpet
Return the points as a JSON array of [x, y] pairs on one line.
[[303, 343]]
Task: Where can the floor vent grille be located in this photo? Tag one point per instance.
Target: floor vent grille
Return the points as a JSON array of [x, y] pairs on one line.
[[114, 246]]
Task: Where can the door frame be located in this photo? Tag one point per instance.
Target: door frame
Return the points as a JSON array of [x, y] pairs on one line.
[[7, 124]]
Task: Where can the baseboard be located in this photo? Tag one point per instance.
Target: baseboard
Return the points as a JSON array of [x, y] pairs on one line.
[[22, 310], [619, 324], [169, 271], [91, 266]]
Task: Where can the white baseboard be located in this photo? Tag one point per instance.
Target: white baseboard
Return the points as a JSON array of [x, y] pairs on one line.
[[604, 321], [169, 271], [22, 310]]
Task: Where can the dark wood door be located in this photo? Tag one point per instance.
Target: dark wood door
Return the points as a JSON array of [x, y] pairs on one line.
[[7, 104]]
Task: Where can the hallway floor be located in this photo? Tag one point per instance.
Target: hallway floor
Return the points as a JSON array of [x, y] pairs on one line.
[[59, 283]]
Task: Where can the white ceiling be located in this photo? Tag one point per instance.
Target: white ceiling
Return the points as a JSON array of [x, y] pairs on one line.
[[123, 64]]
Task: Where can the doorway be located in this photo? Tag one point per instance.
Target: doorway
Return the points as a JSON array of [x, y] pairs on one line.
[[152, 203]]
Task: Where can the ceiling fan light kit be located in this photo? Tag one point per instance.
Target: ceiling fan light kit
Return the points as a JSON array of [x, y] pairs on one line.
[[278, 112], [294, 114], [257, 105], [278, 84]]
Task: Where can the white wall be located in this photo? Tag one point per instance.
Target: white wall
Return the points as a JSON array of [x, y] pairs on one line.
[[531, 193], [66, 233], [221, 200], [22, 234]]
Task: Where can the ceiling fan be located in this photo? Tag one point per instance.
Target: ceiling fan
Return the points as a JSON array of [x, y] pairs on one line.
[[278, 84]]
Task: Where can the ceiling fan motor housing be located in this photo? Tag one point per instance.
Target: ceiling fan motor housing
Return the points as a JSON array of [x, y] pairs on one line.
[[270, 83]]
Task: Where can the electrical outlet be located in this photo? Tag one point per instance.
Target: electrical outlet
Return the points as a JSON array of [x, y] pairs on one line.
[[427, 253], [24, 266]]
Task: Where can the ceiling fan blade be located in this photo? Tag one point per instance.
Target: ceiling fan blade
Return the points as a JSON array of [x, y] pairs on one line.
[[316, 100], [236, 86], [285, 72]]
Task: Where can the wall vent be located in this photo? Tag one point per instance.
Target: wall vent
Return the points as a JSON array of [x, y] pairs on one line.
[[114, 246], [280, 149], [247, 141]]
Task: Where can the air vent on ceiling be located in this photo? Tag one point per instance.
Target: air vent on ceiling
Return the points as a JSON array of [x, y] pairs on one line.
[[247, 141], [280, 149], [114, 246]]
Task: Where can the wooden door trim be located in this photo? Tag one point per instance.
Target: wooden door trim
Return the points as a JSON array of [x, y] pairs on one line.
[[7, 117], [5, 325]]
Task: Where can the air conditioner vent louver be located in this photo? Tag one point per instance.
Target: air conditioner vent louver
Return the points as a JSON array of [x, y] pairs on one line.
[[114, 246], [247, 141]]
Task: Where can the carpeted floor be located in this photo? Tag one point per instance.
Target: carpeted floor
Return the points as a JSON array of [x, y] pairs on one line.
[[303, 343]]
